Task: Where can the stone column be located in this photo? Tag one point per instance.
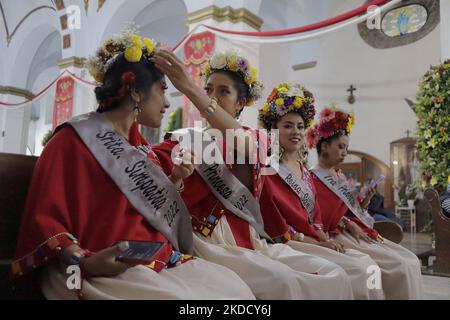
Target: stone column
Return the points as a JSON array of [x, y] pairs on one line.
[[14, 132], [445, 29]]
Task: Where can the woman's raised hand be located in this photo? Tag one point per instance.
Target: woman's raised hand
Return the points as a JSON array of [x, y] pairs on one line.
[[168, 63]]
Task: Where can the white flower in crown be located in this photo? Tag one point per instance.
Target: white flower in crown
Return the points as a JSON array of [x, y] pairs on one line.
[[295, 91], [256, 90], [218, 61], [232, 54]]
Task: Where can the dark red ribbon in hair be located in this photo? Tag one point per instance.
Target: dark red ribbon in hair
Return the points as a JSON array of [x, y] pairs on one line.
[[126, 82]]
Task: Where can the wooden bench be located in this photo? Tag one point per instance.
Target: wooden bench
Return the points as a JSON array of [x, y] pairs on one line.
[[15, 176], [442, 233]]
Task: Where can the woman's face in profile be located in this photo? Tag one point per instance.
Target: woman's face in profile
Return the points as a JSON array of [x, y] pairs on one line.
[[154, 105]]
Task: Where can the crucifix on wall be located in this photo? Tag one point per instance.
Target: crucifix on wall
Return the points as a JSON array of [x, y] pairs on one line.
[[351, 98]]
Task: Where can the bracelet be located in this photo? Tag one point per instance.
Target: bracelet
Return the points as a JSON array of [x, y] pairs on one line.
[[78, 255], [296, 236], [300, 236], [343, 223], [210, 109]]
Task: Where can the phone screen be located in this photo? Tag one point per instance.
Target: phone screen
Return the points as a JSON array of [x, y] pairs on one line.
[[140, 251]]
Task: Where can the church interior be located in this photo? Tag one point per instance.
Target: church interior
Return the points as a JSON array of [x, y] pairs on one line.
[[385, 66]]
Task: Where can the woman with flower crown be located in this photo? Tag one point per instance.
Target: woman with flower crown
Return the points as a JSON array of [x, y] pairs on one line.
[[344, 214], [98, 188], [288, 201], [222, 198]]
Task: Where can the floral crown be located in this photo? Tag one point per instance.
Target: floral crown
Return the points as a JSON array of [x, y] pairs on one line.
[[331, 121], [230, 60], [285, 98], [133, 47]]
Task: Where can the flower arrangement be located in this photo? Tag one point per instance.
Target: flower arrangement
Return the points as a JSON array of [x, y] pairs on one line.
[[230, 60], [133, 47], [433, 113], [331, 121], [285, 98]]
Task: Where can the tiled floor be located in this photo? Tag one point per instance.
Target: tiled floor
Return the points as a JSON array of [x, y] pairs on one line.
[[435, 287], [417, 243]]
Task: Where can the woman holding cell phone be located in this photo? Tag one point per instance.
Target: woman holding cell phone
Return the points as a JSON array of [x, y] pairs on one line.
[[100, 203], [345, 216], [289, 202]]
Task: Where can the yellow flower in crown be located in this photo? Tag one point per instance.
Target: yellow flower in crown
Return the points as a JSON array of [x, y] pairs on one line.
[[206, 69], [298, 102], [149, 45], [349, 127], [265, 107], [282, 89], [252, 77], [133, 54], [135, 40], [279, 102], [232, 63]]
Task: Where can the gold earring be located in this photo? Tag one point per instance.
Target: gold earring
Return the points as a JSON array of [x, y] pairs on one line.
[[281, 153], [300, 157], [137, 110]]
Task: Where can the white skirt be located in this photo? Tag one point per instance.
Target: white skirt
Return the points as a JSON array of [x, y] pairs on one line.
[[274, 271], [195, 279], [400, 268], [356, 264]]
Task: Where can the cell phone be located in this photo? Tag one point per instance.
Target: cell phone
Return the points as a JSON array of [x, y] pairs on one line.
[[140, 252], [377, 181]]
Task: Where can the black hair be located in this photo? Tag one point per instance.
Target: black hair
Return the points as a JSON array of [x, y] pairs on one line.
[[275, 123], [112, 93], [241, 87], [328, 140]]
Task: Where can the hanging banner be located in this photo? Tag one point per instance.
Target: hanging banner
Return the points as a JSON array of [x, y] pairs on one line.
[[63, 108], [197, 50]]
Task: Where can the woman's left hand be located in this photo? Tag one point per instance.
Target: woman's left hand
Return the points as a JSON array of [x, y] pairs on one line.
[[183, 166], [333, 245], [357, 232], [174, 69]]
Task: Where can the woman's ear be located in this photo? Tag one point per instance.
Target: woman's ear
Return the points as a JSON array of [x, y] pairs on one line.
[[135, 96], [323, 147]]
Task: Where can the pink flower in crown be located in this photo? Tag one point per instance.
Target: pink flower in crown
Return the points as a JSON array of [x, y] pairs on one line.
[[326, 114], [312, 136]]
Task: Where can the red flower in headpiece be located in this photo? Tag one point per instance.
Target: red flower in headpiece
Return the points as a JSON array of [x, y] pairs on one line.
[[273, 94], [128, 78], [341, 120], [326, 128], [312, 137]]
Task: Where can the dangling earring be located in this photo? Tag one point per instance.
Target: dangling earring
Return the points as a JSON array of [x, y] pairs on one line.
[[135, 137], [300, 157], [281, 153], [137, 110]]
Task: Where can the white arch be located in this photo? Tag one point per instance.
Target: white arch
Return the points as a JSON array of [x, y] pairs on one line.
[[22, 54], [152, 15]]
